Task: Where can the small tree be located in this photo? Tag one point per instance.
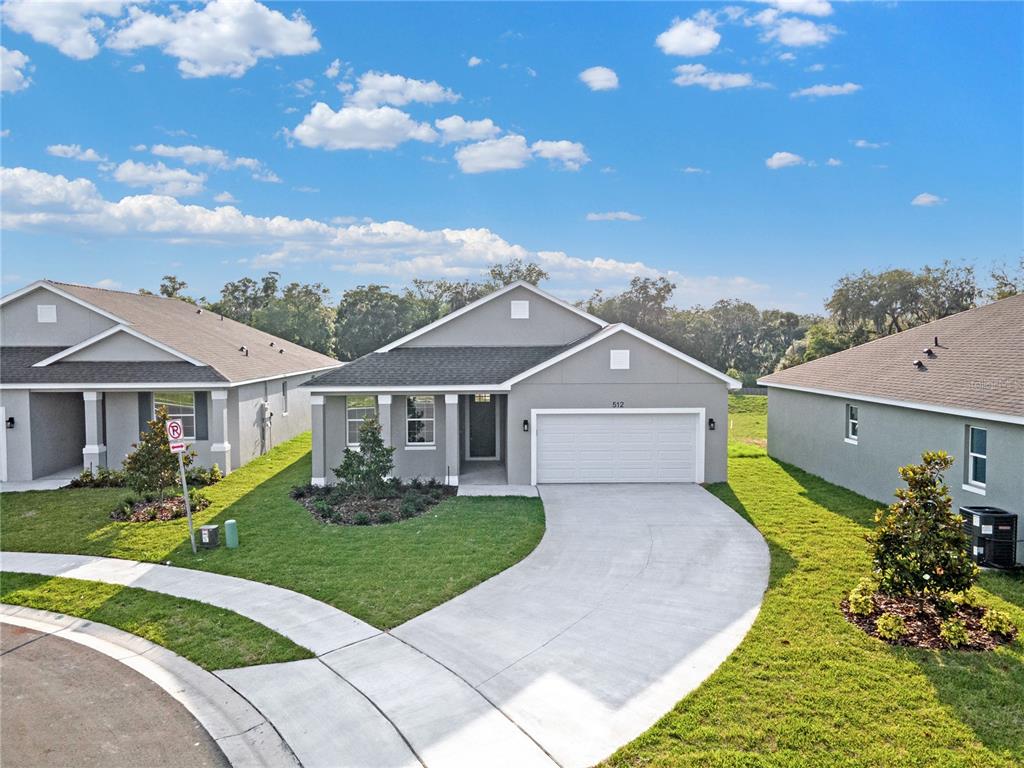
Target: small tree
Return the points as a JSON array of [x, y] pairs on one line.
[[151, 467], [920, 545], [364, 471]]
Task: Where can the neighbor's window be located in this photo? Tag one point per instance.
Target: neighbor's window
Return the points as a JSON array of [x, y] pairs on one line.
[[284, 396], [852, 423], [419, 420], [977, 455], [358, 410], [179, 405], [481, 398]]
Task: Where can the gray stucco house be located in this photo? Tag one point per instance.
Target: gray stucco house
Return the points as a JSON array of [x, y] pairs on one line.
[[522, 388], [956, 384], [82, 370]]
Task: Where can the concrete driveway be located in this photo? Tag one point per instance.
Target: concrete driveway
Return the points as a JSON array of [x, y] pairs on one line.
[[635, 595]]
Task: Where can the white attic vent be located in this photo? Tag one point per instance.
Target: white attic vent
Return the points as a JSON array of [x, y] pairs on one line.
[[46, 313], [620, 359], [520, 310]]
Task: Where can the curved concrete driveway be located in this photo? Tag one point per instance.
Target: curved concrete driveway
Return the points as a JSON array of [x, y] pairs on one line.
[[635, 595]]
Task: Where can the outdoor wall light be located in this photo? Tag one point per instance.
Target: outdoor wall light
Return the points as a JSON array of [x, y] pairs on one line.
[[526, 425], [10, 422], [711, 424]]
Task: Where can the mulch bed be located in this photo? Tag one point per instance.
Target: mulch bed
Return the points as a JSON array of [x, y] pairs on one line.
[[361, 510], [923, 622], [170, 508]]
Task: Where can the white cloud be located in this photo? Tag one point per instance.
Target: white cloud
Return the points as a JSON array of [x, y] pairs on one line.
[[600, 78], [75, 152], [224, 37], [137, 68], [109, 283], [805, 7], [14, 68], [176, 182], [333, 69], [225, 197], [571, 154], [455, 129], [303, 87], [787, 56], [70, 27], [5, 133], [694, 170], [784, 160], [614, 216], [698, 74], [359, 128], [927, 200], [834, 162], [474, 61], [191, 154], [507, 153], [267, 177], [796, 33], [377, 88], [815, 68], [819, 91], [695, 36], [865, 144]]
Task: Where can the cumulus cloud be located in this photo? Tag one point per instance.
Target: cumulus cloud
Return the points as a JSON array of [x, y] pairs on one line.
[[694, 170], [75, 152], [784, 160], [698, 74], [224, 37], [70, 27], [600, 78], [927, 200], [474, 61], [225, 197], [137, 68], [333, 69], [787, 56], [109, 283], [504, 154], [834, 162], [359, 128], [176, 182], [455, 129], [804, 7], [789, 31], [570, 154], [865, 144], [14, 68], [191, 154], [614, 216], [815, 68], [819, 91], [376, 88], [695, 36]]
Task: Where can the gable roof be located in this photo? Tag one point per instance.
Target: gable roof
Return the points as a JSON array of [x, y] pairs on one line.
[[19, 368], [199, 336], [484, 300], [977, 368]]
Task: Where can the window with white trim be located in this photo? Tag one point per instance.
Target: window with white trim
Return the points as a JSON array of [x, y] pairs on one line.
[[619, 360], [520, 310], [852, 423], [419, 420], [358, 410], [284, 396], [46, 313], [977, 456], [179, 405]]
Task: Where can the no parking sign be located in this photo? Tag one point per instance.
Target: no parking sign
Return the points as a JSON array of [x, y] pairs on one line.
[[175, 433], [175, 439]]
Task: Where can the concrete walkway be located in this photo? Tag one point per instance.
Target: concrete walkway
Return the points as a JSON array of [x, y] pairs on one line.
[[48, 483]]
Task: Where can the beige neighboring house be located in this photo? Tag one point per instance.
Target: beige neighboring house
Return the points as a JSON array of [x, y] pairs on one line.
[[83, 369]]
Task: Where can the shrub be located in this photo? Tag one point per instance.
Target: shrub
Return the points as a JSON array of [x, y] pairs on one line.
[[890, 626], [364, 471], [197, 475], [302, 491], [151, 467], [103, 477], [998, 622], [968, 599], [920, 547], [385, 517], [362, 518], [322, 507], [860, 600], [953, 632]]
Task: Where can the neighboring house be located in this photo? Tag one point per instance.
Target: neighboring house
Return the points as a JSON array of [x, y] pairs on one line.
[[83, 369], [520, 387], [956, 384]]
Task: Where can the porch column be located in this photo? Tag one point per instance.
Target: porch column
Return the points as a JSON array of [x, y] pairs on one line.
[[220, 448], [384, 417], [316, 403], [94, 454], [451, 438]]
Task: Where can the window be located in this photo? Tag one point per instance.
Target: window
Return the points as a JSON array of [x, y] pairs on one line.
[[179, 405], [358, 410], [520, 310], [977, 456], [46, 313], [284, 397], [481, 398], [852, 424], [620, 360], [419, 420]]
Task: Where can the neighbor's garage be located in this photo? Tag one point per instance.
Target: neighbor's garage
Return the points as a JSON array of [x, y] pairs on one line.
[[619, 446]]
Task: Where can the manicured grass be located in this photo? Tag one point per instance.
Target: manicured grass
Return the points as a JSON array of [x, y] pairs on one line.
[[382, 574], [807, 688], [748, 425], [209, 636]]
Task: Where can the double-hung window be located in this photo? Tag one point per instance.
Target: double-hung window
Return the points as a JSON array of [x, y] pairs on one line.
[[852, 423], [358, 410], [179, 405], [977, 456], [419, 420]]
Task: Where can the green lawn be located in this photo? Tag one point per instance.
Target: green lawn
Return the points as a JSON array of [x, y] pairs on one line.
[[382, 574], [805, 687], [211, 637]]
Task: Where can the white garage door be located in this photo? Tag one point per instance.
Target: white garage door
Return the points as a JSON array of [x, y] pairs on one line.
[[618, 446]]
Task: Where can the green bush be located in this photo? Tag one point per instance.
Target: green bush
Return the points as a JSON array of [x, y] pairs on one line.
[[385, 517], [920, 548], [953, 632], [103, 477], [151, 467], [362, 518], [968, 599], [890, 627], [860, 600], [197, 475], [998, 622], [364, 471]]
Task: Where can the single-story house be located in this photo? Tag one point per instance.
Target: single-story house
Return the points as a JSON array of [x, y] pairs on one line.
[[956, 384], [522, 388], [83, 369]]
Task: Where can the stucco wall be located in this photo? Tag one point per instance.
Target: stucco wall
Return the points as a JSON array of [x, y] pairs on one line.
[[20, 327], [122, 346], [807, 430], [58, 431], [19, 440], [244, 413], [122, 425]]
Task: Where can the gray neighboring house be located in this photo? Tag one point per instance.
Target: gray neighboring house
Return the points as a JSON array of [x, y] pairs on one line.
[[956, 384], [82, 370], [522, 388]]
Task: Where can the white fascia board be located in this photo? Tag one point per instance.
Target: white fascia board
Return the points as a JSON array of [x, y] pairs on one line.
[[916, 406], [64, 295], [288, 375], [147, 386], [479, 389], [110, 332], [483, 300], [611, 330]]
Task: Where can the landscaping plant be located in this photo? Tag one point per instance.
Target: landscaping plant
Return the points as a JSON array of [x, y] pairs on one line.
[[151, 467], [364, 471]]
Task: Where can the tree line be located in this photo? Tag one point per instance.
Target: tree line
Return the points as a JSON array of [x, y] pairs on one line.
[[730, 335]]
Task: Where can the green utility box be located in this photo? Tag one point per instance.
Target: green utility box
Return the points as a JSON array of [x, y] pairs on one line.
[[231, 534]]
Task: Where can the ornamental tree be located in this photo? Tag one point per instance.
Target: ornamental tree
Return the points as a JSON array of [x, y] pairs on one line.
[[364, 471], [151, 467]]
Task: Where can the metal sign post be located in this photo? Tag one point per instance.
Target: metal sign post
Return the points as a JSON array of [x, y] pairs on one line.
[[175, 432]]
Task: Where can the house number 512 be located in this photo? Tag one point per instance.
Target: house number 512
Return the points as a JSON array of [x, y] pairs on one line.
[[618, 403]]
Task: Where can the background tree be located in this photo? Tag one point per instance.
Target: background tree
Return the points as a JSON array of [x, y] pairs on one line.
[[172, 288], [1006, 281], [301, 314], [368, 317], [515, 270], [242, 299]]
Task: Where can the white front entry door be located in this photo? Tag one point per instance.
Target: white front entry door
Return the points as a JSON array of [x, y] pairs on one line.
[[619, 445]]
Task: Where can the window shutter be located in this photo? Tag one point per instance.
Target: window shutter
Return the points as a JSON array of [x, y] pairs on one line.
[[145, 410], [202, 416]]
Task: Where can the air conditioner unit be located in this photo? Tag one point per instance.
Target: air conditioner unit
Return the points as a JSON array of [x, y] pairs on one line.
[[993, 535]]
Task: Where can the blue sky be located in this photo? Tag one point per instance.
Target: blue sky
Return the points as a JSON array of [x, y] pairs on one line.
[[224, 143]]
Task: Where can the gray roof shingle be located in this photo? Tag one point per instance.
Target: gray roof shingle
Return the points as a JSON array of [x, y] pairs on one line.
[[16, 368]]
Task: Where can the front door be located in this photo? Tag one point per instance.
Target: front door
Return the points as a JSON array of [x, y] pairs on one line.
[[483, 435]]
